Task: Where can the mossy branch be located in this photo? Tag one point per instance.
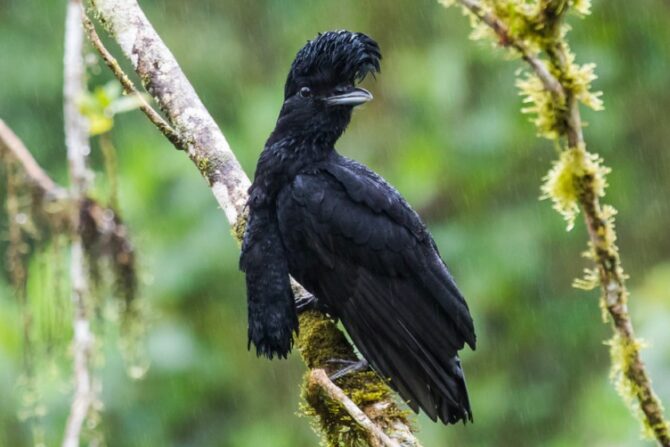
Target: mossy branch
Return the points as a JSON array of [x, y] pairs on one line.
[[318, 384], [553, 90], [201, 138]]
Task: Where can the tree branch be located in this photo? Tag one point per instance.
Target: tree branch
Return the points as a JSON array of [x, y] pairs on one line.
[[128, 85], [376, 436], [589, 188], [498, 26], [211, 154], [76, 137], [165, 81]]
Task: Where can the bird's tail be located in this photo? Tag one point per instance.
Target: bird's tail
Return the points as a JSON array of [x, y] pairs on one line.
[[411, 343]]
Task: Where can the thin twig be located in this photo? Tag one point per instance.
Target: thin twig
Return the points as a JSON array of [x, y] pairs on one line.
[[376, 435], [606, 257], [76, 136], [612, 278], [128, 85], [539, 67]]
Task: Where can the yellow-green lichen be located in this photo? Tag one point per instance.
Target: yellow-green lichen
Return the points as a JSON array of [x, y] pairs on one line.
[[625, 353], [210, 163], [589, 281], [565, 181], [320, 342], [239, 227], [536, 26], [203, 164], [577, 80], [331, 419], [535, 29], [581, 7], [547, 109]]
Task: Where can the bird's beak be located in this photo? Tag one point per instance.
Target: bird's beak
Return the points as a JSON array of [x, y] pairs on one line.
[[354, 97]]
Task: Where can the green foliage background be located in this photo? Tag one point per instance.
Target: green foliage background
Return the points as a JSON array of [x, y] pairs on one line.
[[445, 128]]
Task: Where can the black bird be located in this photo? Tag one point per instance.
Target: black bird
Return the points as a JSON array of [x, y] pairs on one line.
[[350, 239]]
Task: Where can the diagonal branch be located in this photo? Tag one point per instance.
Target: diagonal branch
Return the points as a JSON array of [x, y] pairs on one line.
[[377, 437], [597, 217], [128, 85], [498, 26], [208, 149], [165, 81]]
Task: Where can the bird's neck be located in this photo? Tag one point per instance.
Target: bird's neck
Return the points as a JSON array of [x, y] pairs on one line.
[[284, 158], [314, 133], [313, 143]]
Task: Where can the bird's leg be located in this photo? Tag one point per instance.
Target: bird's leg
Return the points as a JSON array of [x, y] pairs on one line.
[[352, 366]]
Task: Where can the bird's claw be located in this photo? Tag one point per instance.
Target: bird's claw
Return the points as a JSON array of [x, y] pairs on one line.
[[310, 302], [352, 366], [305, 303]]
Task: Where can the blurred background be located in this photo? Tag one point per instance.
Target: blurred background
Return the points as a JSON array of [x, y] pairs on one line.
[[444, 128]]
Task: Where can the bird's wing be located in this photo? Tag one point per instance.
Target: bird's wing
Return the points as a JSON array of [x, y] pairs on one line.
[[380, 271], [272, 316]]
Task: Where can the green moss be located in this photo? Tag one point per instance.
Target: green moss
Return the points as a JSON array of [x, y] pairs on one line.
[[203, 165], [333, 421], [237, 229], [536, 30], [624, 353], [210, 163], [320, 341], [548, 111], [575, 170]]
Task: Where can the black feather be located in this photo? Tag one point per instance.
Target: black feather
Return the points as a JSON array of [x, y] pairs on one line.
[[271, 305], [332, 58]]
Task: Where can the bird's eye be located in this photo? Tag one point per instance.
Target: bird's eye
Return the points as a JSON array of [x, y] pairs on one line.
[[305, 92]]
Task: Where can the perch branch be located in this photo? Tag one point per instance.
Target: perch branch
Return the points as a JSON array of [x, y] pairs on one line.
[[601, 232], [76, 138], [206, 146], [376, 436]]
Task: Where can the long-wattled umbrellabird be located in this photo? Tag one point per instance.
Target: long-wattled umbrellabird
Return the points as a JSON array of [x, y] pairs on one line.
[[350, 239]]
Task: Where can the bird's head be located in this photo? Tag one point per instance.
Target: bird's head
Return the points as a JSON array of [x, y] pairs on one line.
[[321, 91]]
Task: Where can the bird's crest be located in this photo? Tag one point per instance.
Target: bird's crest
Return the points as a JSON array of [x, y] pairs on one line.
[[334, 57]]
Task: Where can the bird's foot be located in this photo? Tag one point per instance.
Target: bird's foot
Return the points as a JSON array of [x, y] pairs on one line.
[[310, 302], [305, 303], [352, 366]]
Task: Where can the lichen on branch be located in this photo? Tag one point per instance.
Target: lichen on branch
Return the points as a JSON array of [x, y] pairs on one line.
[[552, 91]]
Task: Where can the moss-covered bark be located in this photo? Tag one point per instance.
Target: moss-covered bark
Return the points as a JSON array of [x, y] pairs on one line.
[[553, 90], [320, 341]]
